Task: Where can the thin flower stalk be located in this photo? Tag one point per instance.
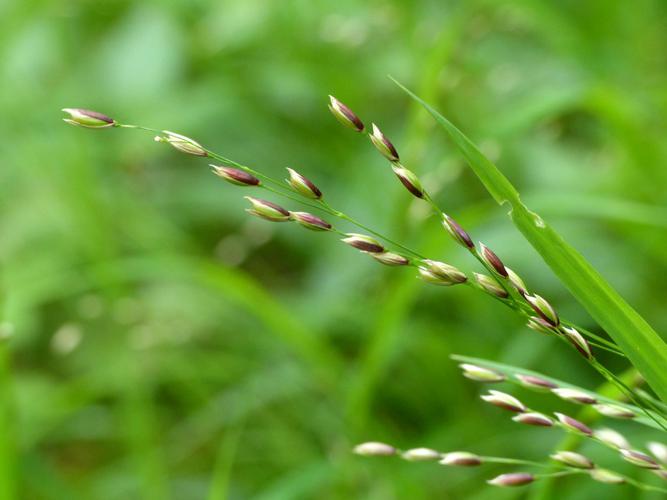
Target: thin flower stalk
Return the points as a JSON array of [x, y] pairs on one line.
[[562, 464]]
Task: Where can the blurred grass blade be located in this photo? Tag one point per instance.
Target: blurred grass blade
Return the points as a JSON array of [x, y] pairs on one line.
[[642, 345], [511, 371]]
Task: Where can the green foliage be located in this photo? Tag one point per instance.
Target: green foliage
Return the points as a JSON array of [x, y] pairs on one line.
[[640, 343], [166, 345]]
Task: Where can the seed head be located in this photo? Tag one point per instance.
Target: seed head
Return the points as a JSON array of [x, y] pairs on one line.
[[390, 259], [382, 144], [492, 260], [87, 118], [409, 179], [513, 479], [235, 176], [490, 285], [536, 383], [461, 459], [573, 459], [574, 396], [614, 411], [503, 400], [457, 232], [363, 243], [375, 449], [533, 418], [421, 455], [659, 450], [612, 438], [539, 325], [440, 273], [606, 476], [578, 341], [303, 186], [516, 281], [345, 115], [573, 424], [639, 459], [543, 308], [479, 374], [310, 221], [182, 143], [267, 210]]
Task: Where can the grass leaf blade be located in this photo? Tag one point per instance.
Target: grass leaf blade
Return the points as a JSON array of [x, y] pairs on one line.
[[642, 345]]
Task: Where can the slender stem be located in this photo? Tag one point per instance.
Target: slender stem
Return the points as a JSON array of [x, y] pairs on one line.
[[514, 461]]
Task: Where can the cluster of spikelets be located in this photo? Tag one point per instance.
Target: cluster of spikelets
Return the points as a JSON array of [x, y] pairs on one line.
[[564, 462], [501, 283]]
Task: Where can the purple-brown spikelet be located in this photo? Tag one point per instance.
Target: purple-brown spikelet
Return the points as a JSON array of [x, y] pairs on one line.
[[87, 118], [512, 479], [235, 176], [457, 232], [310, 221], [543, 309], [505, 401], [461, 459], [573, 424], [267, 210], [409, 180], [493, 260], [303, 185], [578, 341], [534, 382], [533, 418], [382, 144], [345, 115], [363, 242], [639, 459]]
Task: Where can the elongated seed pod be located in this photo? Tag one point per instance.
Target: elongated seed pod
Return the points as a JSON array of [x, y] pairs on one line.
[[480, 374], [573, 459], [267, 210], [363, 242], [639, 459], [533, 418], [421, 455], [543, 308], [505, 401], [310, 221], [235, 176], [575, 396], [461, 459], [303, 186], [375, 449], [536, 383], [490, 285], [345, 115], [409, 179], [573, 424], [512, 479], [87, 118], [614, 411], [382, 144], [457, 232], [182, 143], [390, 259], [492, 260]]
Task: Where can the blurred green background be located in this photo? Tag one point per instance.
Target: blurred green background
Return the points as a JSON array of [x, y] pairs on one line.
[[159, 344]]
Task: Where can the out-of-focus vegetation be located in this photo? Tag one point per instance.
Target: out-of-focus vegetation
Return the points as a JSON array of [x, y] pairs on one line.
[[163, 345]]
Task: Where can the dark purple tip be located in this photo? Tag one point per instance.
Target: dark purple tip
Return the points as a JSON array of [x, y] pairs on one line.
[[463, 236], [410, 186], [495, 261], [95, 115]]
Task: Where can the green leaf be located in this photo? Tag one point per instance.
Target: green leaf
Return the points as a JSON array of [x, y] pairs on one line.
[[511, 371], [640, 343]]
